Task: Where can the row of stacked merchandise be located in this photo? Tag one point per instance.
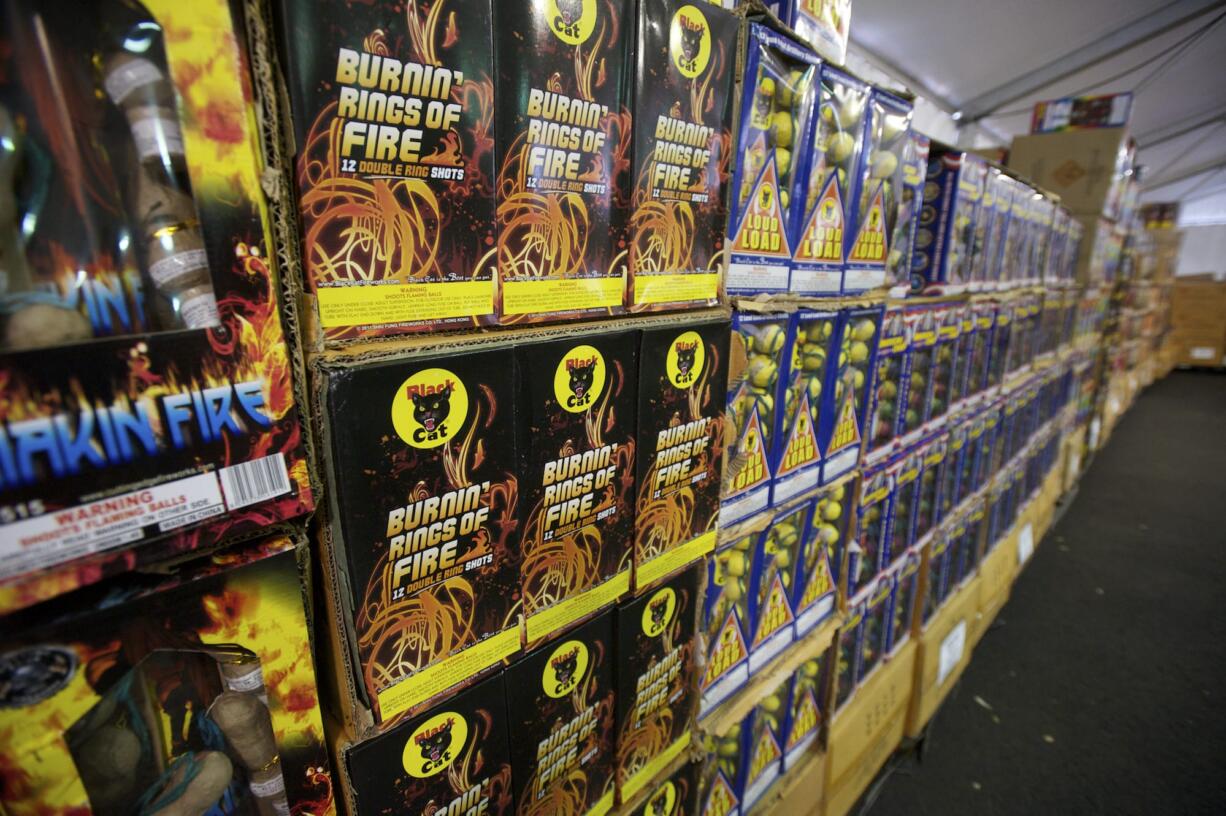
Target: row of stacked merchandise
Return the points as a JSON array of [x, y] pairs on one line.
[[463, 407]]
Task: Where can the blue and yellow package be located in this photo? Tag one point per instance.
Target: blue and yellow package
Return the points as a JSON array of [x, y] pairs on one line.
[[833, 146], [770, 588], [806, 710], [945, 242], [725, 616], [847, 653], [877, 192], [928, 512], [763, 750], [875, 627], [842, 434], [890, 386], [905, 578], [812, 351], [904, 469], [814, 595], [780, 82], [910, 205], [865, 556]]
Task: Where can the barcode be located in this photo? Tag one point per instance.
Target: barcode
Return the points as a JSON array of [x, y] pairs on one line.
[[254, 481]]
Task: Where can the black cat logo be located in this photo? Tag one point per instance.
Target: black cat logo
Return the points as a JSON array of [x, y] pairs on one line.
[[658, 609], [658, 805], [685, 361], [762, 104], [430, 411], [764, 198], [692, 32], [569, 14], [582, 374], [564, 668], [435, 744]]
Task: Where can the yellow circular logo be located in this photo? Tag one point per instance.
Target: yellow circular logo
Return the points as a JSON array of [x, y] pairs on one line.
[[435, 744], [689, 41], [565, 669], [662, 801], [429, 408], [571, 21], [658, 613], [579, 379], [685, 359]]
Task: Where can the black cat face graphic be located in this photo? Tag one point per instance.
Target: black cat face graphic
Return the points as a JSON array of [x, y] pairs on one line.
[[434, 745], [685, 359], [658, 608], [658, 806], [431, 409], [691, 42], [564, 666], [570, 11], [581, 376]]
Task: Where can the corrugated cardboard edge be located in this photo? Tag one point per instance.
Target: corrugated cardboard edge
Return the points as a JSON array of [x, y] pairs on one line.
[[285, 262]]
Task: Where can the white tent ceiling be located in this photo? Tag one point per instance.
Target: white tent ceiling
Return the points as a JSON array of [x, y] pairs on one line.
[[986, 62]]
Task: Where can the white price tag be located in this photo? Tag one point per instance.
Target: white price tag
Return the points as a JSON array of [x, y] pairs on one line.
[[1025, 544], [952, 648], [1202, 353], [1096, 427]]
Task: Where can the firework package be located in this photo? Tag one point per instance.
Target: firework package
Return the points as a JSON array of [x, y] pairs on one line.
[[780, 85], [942, 261], [141, 348], [845, 420], [721, 781], [560, 700], [682, 150], [806, 705], [452, 758], [752, 403], [158, 694], [798, 459], [905, 578], [423, 546], [683, 382], [832, 158], [821, 553], [725, 616], [677, 795], [763, 731], [878, 192], [772, 583], [577, 422], [563, 149], [656, 693], [874, 627], [890, 386], [392, 112], [910, 207], [868, 554]]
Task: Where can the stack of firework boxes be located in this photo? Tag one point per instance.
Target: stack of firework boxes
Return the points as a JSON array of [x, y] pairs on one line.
[[156, 652], [510, 222]]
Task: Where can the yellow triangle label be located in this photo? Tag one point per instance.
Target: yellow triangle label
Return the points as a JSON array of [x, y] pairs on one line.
[[729, 650], [765, 752], [822, 239], [820, 583], [802, 440], [777, 613], [870, 246], [804, 718], [754, 471], [762, 227], [720, 801], [847, 429]]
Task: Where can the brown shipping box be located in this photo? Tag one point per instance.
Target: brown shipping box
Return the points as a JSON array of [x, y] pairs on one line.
[[1077, 165]]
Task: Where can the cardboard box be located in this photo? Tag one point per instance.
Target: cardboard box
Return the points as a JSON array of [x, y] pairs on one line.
[[150, 400], [779, 87], [563, 135], [394, 174], [125, 690], [821, 225], [1098, 256], [753, 404], [877, 192], [683, 383], [422, 541], [866, 732], [560, 700], [942, 653], [683, 101], [1084, 167], [456, 756], [656, 693], [578, 407]]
